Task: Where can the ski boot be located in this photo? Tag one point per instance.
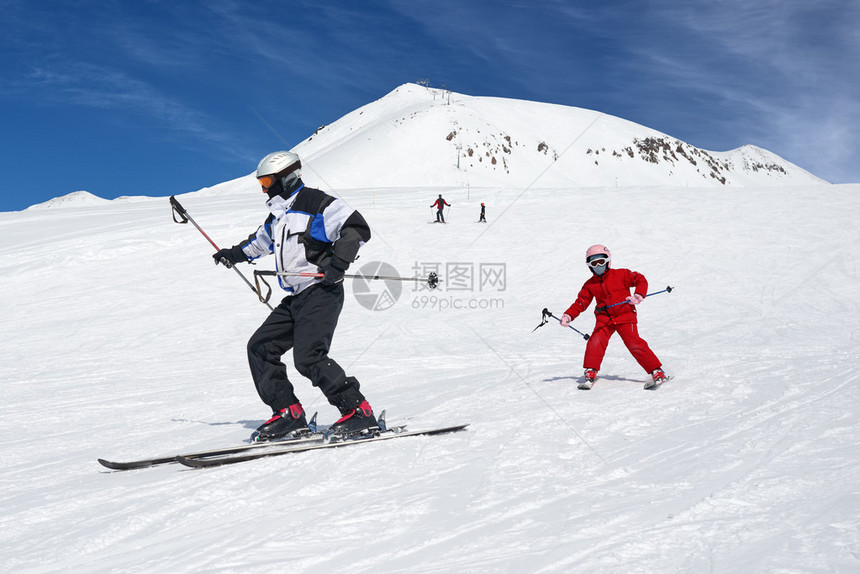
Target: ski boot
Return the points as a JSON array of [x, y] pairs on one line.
[[285, 424], [588, 382], [658, 377], [356, 423]]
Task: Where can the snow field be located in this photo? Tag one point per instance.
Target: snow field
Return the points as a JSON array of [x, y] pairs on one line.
[[122, 339]]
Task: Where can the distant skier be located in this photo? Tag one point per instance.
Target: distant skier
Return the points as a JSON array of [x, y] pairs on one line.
[[609, 286], [307, 231], [440, 204], [483, 217]]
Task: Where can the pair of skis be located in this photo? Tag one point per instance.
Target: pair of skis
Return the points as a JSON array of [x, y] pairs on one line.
[[649, 386], [214, 454], [314, 440]]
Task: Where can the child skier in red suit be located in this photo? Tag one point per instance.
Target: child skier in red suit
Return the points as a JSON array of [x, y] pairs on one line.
[[610, 286]]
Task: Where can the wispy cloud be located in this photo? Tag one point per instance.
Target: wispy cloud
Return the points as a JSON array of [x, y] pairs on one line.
[[78, 84], [123, 63], [787, 67], [776, 73], [779, 73]]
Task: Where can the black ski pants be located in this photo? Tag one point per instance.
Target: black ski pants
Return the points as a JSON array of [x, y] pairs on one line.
[[304, 323]]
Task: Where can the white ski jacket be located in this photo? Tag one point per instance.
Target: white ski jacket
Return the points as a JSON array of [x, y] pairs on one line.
[[305, 229]]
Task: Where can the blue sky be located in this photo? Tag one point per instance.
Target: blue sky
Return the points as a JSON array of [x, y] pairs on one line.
[[164, 97]]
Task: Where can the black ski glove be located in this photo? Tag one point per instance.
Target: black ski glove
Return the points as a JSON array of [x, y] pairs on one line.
[[229, 257], [334, 271]]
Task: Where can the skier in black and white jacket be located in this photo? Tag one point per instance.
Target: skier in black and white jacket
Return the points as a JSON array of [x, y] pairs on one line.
[[308, 231]]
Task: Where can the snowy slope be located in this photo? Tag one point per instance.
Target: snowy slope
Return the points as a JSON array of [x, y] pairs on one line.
[[122, 339]]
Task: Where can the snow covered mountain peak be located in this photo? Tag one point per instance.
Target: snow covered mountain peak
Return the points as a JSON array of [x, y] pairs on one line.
[[421, 136], [74, 199]]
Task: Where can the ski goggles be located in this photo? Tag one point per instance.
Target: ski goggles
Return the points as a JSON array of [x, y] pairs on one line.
[[598, 262], [266, 181]]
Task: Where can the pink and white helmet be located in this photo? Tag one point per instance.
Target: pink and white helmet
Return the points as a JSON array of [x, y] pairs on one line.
[[596, 253]]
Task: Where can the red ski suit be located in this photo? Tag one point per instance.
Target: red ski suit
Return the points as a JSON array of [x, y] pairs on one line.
[[612, 287]]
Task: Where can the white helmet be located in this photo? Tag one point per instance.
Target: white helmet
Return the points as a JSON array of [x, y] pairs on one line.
[[280, 164]]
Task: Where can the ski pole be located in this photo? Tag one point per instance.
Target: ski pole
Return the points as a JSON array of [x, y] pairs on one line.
[[605, 307], [185, 218], [432, 279], [546, 314]]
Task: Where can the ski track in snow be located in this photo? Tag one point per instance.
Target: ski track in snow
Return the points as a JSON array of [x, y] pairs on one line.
[[122, 340]]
